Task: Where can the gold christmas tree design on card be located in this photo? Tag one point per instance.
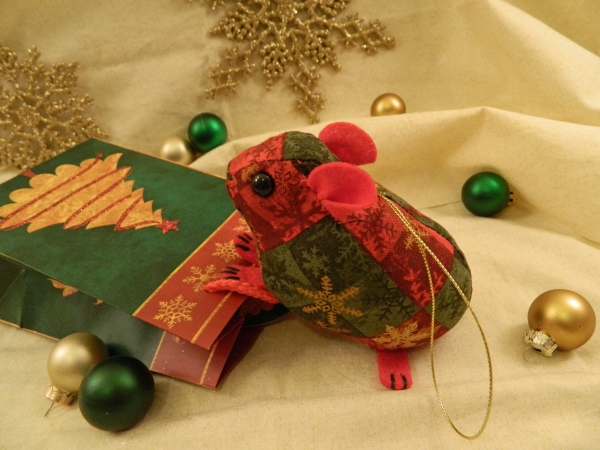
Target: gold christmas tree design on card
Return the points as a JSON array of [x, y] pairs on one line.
[[93, 194], [66, 290]]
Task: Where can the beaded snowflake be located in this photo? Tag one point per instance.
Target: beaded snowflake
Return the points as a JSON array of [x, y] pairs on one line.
[[289, 35], [40, 116]]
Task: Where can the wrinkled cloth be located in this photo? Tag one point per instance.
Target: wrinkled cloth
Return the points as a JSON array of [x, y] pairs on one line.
[[508, 86]]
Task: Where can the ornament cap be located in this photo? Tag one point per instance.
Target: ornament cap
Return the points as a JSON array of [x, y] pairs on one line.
[[58, 395], [540, 341]]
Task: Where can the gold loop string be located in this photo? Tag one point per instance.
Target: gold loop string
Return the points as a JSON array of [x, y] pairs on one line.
[[424, 249]]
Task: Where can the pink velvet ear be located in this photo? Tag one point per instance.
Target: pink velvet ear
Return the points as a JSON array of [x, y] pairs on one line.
[[342, 188], [349, 143]]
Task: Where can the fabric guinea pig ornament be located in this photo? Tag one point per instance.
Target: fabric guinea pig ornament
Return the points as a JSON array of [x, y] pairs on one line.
[[341, 251]]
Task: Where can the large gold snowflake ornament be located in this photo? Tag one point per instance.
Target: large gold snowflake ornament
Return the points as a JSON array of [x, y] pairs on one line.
[[40, 116], [289, 35]]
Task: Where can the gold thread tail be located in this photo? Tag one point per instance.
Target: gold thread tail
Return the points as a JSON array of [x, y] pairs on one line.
[[424, 249]]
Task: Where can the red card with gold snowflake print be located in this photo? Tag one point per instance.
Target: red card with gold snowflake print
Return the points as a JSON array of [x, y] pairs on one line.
[[181, 302], [140, 233]]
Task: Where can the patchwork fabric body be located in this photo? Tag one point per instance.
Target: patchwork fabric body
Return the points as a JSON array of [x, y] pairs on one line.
[[346, 266]]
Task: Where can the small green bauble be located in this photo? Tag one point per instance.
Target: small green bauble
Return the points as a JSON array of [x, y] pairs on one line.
[[116, 393], [485, 194], [207, 131]]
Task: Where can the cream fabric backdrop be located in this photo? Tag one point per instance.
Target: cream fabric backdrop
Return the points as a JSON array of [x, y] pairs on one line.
[[510, 86]]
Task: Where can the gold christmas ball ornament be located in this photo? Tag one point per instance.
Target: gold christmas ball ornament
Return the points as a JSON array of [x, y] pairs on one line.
[[178, 150], [69, 362], [559, 319], [387, 104]]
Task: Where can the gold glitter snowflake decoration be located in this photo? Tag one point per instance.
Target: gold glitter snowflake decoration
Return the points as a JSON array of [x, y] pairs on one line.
[[40, 116], [289, 35]]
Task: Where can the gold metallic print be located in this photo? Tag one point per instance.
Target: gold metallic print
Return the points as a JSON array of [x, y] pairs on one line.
[[93, 194]]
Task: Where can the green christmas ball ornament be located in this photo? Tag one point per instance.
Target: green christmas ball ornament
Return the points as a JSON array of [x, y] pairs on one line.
[[485, 194], [207, 131], [116, 393]]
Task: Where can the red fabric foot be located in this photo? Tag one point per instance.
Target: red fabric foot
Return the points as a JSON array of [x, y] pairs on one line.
[[394, 369], [246, 248], [243, 280]]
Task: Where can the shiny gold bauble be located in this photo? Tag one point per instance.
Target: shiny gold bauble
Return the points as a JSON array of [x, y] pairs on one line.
[[178, 150], [70, 361], [387, 104], [565, 316]]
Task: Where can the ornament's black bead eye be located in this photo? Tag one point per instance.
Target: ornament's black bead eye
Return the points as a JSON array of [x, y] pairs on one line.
[[262, 184]]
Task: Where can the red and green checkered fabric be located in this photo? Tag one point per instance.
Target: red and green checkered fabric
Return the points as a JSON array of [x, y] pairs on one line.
[[363, 276]]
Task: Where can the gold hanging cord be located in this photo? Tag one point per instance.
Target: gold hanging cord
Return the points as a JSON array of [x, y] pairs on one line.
[[423, 248]]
